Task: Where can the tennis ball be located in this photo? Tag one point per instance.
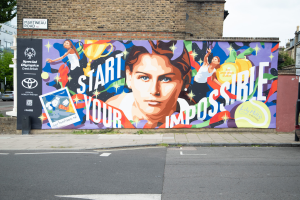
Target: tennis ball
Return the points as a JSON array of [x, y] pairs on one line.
[[252, 114], [45, 75]]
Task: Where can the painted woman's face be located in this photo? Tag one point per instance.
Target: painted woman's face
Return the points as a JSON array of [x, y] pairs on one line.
[[155, 84], [67, 45], [215, 60]]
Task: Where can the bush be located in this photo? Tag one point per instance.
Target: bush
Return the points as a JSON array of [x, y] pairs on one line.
[[287, 60]]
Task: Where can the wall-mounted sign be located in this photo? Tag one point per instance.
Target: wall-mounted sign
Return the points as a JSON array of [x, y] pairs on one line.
[[35, 23]]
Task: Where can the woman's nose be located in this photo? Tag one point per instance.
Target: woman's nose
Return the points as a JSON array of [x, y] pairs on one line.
[[155, 88]]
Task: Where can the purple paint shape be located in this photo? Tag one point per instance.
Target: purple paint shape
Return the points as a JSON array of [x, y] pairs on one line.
[[199, 44], [143, 43], [118, 46], [273, 119], [231, 123], [179, 49], [224, 125], [273, 97], [239, 43], [196, 122], [141, 124], [224, 46]]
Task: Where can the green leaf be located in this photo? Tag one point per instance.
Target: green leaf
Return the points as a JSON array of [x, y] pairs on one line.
[[6, 71], [8, 10]]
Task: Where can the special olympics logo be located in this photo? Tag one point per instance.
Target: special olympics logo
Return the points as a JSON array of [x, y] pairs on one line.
[[29, 52], [29, 83]]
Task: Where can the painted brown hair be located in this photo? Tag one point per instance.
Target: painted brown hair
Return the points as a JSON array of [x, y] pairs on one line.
[[218, 66], [161, 48], [73, 47], [182, 62]]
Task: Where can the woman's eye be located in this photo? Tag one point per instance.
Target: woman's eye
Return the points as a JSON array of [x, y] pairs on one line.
[[166, 79], [145, 78]]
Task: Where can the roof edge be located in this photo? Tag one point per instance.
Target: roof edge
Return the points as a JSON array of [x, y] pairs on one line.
[[235, 39]]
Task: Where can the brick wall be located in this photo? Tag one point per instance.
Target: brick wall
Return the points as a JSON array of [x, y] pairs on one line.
[[205, 18], [123, 19], [100, 35]]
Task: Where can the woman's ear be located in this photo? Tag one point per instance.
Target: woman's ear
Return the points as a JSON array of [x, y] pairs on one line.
[[128, 77]]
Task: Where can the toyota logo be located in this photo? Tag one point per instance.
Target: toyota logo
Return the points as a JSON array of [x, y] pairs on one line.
[[29, 83]]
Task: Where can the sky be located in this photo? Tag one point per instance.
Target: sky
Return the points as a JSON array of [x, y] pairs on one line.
[[262, 18]]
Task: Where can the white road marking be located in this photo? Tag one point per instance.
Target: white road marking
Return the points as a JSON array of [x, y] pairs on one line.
[[127, 149], [4, 153], [105, 154], [192, 154], [114, 196], [40, 153]]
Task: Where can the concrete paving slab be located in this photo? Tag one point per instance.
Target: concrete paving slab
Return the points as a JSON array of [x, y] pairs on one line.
[[73, 141], [214, 135], [108, 136], [168, 135]]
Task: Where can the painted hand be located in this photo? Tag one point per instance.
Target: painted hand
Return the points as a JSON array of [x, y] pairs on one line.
[[49, 60]]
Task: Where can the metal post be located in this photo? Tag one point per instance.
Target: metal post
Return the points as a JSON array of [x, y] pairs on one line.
[[14, 66], [297, 130]]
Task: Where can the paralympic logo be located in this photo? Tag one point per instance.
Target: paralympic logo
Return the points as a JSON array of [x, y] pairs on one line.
[[29, 52], [29, 83]]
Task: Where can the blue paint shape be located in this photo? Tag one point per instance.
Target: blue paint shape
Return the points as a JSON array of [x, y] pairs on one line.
[[220, 53], [47, 68], [81, 115]]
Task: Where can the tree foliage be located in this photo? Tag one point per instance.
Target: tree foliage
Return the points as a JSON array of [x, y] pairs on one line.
[[285, 60], [5, 70], [8, 10]]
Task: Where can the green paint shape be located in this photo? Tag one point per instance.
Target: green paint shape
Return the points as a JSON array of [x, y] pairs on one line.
[[245, 53], [188, 45], [232, 57], [203, 124]]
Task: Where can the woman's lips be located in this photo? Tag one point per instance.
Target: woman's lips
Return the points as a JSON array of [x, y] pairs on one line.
[[153, 103]]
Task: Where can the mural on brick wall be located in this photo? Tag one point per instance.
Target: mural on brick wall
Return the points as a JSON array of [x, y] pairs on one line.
[[99, 84]]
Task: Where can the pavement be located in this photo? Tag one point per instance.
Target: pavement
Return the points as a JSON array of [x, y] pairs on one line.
[[104, 141]]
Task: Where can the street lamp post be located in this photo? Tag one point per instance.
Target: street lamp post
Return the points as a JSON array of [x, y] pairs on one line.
[[14, 66]]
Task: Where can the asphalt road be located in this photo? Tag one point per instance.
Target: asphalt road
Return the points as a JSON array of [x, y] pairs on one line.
[[233, 173], [43, 176], [6, 106], [155, 173]]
